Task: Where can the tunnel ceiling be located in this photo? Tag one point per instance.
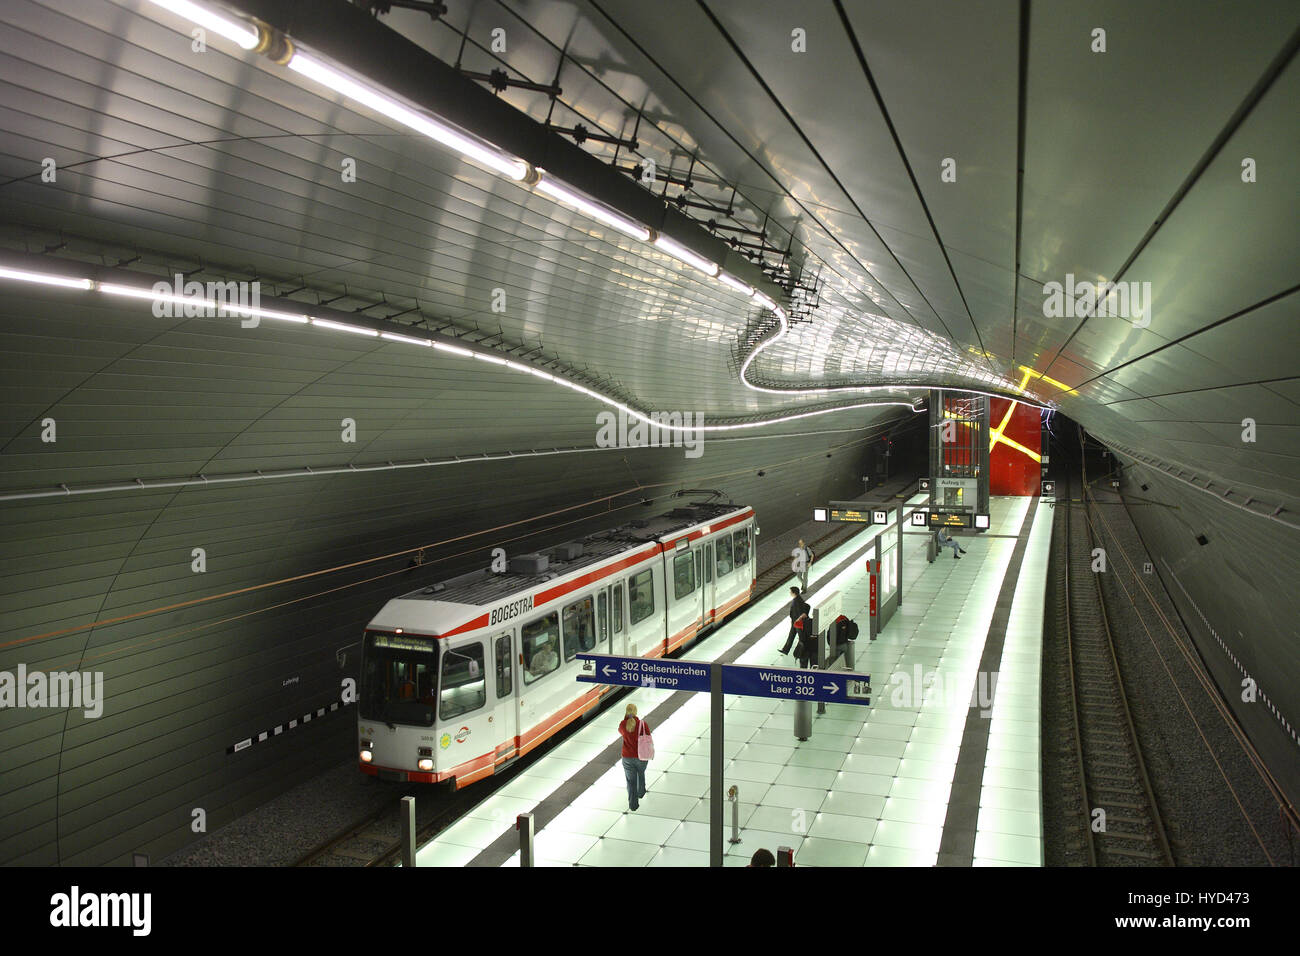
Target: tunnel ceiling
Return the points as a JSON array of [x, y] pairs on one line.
[[1124, 165]]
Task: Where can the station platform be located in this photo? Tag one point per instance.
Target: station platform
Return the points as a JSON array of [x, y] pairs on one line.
[[943, 767]]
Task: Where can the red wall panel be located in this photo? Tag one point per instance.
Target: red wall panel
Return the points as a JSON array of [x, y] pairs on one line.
[[1011, 471]]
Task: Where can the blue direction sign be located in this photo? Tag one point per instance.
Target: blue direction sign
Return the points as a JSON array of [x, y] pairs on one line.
[[787, 683], [644, 672]]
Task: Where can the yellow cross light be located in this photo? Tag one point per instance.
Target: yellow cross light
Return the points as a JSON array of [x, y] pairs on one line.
[[996, 436]]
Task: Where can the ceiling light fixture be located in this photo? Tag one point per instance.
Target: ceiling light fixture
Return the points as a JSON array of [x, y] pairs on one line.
[[453, 349], [473, 149], [735, 283], [343, 327], [246, 35], [589, 207], [393, 337], [45, 279], [682, 254]]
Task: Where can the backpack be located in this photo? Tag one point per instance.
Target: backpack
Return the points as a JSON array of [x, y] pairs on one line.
[[845, 630]]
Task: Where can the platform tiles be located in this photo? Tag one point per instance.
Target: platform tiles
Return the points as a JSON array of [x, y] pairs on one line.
[[869, 787]]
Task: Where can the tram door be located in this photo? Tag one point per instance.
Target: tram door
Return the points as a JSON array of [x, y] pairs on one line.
[[710, 593], [505, 714], [618, 631]]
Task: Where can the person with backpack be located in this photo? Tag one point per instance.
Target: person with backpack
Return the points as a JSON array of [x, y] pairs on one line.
[[638, 749], [799, 609]]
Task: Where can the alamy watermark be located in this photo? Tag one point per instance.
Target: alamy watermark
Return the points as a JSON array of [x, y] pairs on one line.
[[664, 430], [207, 300], [1084, 300], [919, 688], [56, 690]]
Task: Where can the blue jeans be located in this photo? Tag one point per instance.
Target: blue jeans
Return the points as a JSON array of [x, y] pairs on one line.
[[950, 543], [634, 771]]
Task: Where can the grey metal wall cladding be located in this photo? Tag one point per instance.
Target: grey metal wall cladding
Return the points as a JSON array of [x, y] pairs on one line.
[[182, 686], [1244, 582]]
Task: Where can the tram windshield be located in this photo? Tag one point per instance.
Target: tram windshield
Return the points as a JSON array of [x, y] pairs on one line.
[[398, 679]]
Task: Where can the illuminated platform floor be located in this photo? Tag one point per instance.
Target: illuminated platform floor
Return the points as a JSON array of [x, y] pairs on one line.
[[872, 786]]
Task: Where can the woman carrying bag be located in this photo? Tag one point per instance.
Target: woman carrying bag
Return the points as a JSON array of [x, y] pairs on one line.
[[638, 750]]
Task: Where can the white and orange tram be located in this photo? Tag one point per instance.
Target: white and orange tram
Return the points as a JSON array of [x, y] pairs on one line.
[[462, 677]]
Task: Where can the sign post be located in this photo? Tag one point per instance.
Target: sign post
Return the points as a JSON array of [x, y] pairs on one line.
[[782, 683]]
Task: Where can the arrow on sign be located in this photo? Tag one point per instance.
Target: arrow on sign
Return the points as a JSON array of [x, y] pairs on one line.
[[832, 688], [607, 670]]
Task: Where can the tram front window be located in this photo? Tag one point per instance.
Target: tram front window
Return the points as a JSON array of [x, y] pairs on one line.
[[398, 677]]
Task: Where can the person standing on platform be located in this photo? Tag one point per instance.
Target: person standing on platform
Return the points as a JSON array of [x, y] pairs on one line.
[[947, 540], [798, 610], [634, 731], [803, 556]]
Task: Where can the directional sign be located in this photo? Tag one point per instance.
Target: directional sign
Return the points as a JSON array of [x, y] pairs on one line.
[[787, 683], [644, 672]]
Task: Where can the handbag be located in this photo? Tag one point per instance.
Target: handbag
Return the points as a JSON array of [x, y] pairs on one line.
[[645, 745]]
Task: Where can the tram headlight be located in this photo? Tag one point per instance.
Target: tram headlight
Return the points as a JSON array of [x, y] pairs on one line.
[[367, 756], [426, 764]]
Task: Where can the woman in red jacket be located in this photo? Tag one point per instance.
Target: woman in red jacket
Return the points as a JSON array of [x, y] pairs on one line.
[[633, 767]]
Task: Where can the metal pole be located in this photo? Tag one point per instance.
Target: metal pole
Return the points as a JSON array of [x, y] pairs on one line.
[[899, 560], [734, 796], [408, 831], [524, 824], [716, 711], [820, 661]]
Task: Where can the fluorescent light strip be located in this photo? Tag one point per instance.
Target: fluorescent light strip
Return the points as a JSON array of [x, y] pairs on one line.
[[343, 327], [453, 349], [245, 34], [735, 283], [393, 337], [590, 207], [483, 357], [682, 254], [481, 153], [266, 314], [134, 292], [44, 279]]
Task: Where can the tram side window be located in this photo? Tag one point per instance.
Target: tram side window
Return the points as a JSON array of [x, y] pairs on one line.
[[505, 667], [618, 608], [683, 575], [707, 553], [602, 617], [463, 685], [540, 643], [579, 628], [723, 545], [741, 539], [641, 596]]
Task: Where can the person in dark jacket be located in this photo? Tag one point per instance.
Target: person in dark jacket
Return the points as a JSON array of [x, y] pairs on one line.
[[799, 609], [630, 728]]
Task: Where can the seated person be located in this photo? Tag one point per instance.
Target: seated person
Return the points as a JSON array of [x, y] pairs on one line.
[[946, 540], [543, 661]]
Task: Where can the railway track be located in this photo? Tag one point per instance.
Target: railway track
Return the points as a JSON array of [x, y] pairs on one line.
[[375, 839], [1119, 813]]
